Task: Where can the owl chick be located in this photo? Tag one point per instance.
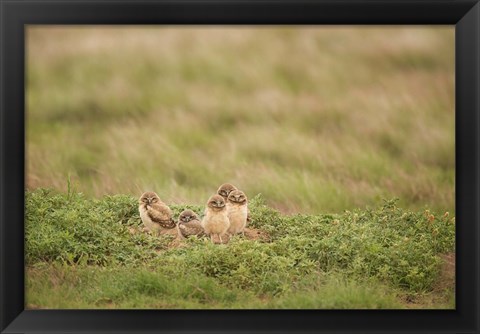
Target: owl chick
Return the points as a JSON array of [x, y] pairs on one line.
[[215, 221], [225, 189], [155, 215], [237, 211], [189, 224]]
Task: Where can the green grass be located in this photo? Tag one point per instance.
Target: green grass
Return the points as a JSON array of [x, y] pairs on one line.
[[81, 253], [317, 119], [63, 287]]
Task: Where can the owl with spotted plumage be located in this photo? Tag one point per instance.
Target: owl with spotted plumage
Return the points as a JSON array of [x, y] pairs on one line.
[[189, 225], [156, 215]]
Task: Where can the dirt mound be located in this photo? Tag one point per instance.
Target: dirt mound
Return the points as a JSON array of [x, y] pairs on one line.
[[441, 288], [256, 234], [447, 273], [249, 234]]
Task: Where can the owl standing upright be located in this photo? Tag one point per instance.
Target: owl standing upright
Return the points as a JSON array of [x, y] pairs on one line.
[[215, 222], [155, 215], [237, 211], [224, 190]]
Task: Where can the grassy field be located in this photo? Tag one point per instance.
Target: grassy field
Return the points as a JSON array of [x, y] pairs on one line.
[[318, 125], [87, 253], [315, 119]]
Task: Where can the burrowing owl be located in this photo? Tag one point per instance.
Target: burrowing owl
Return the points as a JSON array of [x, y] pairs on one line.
[[215, 221], [189, 224], [237, 211], [225, 189], [155, 215]]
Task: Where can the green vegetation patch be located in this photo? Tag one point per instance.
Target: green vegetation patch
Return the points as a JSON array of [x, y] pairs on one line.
[[96, 246]]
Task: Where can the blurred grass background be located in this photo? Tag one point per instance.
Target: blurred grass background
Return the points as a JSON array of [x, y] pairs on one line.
[[317, 119]]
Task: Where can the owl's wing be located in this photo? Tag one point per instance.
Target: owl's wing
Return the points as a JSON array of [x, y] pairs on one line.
[[191, 228], [162, 216], [248, 216]]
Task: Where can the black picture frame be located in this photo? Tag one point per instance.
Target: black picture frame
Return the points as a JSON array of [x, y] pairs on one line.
[[463, 14]]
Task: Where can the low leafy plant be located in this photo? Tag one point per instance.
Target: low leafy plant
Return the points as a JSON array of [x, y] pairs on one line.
[[398, 248]]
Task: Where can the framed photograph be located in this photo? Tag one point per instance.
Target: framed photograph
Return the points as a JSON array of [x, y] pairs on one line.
[[240, 166]]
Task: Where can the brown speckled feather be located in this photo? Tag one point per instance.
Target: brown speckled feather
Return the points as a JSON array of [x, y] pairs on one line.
[[193, 227], [162, 217]]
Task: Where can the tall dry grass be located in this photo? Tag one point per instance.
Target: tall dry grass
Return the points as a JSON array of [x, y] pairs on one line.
[[316, 119]]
